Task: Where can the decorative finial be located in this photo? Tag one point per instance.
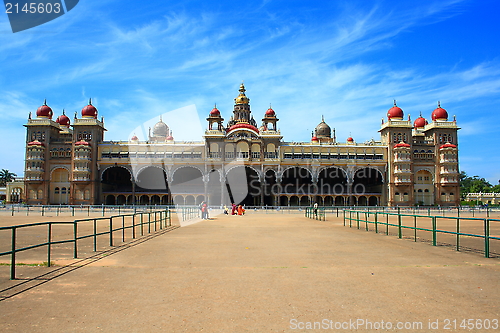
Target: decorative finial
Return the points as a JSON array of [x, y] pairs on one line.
[[161, 119], [215, 105], [312, 134], [75, 114], [45, 101], [454, 118], [439, 104], [270, 106], [64, 113], [409, 118], [90, 101], [322, 118], [102, 119], [395, 103], [420, 114], [29, 116]]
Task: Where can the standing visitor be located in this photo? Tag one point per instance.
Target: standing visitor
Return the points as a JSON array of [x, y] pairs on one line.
[[233, 209]]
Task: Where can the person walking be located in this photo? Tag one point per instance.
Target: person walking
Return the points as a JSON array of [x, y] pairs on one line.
[[233, 209], [315, 209]]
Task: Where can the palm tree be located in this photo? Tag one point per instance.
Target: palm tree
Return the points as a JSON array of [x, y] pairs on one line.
[[6, 176]]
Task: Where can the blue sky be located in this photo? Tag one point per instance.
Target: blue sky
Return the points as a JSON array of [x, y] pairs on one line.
[[346, 60]]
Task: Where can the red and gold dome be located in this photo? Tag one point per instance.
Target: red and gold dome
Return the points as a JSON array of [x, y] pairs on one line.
[[44, 111], [215, 112], [439, 114], [270, 112], [89, 111], [420, 122], [63, 120], [395, 113]]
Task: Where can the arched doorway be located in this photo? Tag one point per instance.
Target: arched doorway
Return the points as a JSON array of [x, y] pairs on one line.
[[332, 180], [243, 186], [187, 180], [59, 186]]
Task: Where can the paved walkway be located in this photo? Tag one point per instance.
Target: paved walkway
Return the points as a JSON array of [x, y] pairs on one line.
[[262, 273]]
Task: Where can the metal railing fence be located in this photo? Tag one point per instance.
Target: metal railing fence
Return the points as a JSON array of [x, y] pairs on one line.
[[154, 219], [316, 213], [379, 219]]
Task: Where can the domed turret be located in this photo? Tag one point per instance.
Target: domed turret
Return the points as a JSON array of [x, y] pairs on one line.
[[323, 130], [420, 122], [44, 111], [89, 111], [395, 113], [215, 112], [270, 112], [439, 114], [160, 129], [242, 98], [63, 120]]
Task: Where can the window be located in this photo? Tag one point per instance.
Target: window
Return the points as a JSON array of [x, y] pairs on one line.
[[57, 190]]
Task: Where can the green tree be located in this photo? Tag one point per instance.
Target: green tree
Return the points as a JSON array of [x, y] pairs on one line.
[[473, 184], [6, 176]]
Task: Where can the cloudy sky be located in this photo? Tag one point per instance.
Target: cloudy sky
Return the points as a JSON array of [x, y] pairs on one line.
[[346, 60]]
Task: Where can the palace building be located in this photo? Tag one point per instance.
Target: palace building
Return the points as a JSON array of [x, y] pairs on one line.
[[69, 162]]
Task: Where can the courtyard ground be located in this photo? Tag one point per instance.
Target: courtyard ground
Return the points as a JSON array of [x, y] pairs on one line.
[[257, 273]]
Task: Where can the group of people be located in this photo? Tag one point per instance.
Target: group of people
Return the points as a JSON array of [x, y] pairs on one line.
[[235, 210]]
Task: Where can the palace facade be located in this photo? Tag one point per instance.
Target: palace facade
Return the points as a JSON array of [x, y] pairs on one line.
[[69, 162]]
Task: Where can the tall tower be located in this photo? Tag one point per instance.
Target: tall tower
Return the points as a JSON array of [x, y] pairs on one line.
[[88, 133], [396, 133], [442, 135]]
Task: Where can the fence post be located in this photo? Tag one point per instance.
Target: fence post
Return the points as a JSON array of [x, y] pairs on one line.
[[111, 231], [43, 207], [400, 233], [75, 249], [487, 238], [27, 210], [357, 219], [434, 230], [95, 235], [458, 234], [49, 241], [123, 228], [376, 222], [367, 215], [343, 215], [415, 227], [387, 223], [149, 222], [142, 224], [13, 254], [133, 225]]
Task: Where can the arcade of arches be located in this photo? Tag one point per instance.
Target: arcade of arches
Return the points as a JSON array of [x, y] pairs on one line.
[[245, 184]]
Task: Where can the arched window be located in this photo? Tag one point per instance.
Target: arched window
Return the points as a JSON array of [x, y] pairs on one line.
[[63, 190], [56, 191]]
